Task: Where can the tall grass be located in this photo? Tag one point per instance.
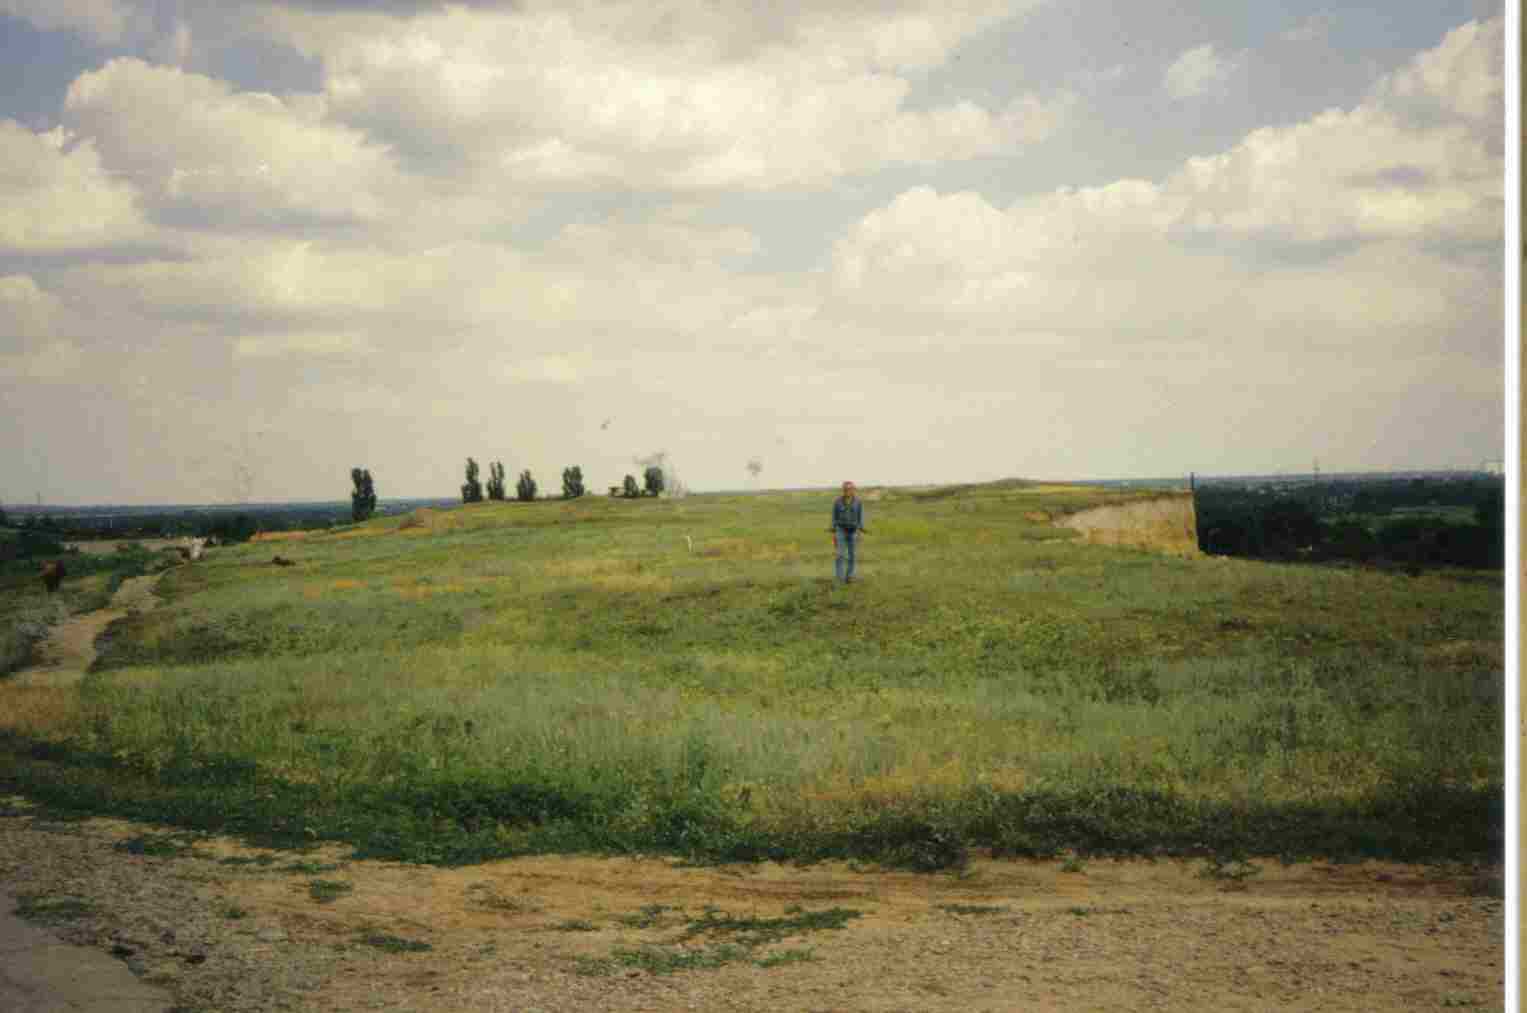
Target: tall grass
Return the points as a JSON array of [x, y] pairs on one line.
[[553, 676]]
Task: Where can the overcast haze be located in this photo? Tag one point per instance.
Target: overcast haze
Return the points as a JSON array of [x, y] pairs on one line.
[[939, 242]]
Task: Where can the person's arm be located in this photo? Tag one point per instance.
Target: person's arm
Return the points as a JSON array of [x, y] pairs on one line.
[[862, 529]]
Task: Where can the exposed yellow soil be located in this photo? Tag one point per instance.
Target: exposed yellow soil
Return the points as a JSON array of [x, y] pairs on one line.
[[1168, 523]]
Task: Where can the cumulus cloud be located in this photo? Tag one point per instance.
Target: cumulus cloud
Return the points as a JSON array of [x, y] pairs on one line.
[[1460, 78], [1200, 71], [1374, 196], [676, 95], [562, 199], [200, 149], [55, 194]]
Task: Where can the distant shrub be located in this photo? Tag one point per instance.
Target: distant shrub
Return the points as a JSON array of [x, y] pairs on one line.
[[525, 488], [654, 479], [629, 489], [572, 482], [32, 542], [363, 498], [471, 491], [240, 528], [496, 481]]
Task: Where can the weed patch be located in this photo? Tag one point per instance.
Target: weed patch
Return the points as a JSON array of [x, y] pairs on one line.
[[574, 925], [327, 891], [972, 909], [394, 944], [42, 909], [736, 939], [157, 845]]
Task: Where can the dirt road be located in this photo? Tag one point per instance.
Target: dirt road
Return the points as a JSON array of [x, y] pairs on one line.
[[69, 650], [231, 928]]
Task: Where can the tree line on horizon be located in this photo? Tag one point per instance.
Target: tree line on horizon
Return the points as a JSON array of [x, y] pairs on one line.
[[1414, 522], [363, 495]]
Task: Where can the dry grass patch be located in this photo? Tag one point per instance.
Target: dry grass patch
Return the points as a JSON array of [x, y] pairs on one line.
[[1469, 654], [317, 589], [589, 566], [633, 582], [749, 550], [36, 710], [358, 533], [423, 521], [915, 779], [279, 536]]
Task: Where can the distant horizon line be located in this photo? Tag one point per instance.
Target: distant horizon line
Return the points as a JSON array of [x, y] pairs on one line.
[[25, 507]]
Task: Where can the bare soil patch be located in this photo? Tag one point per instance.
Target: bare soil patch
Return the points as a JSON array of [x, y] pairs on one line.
[[235, 928]]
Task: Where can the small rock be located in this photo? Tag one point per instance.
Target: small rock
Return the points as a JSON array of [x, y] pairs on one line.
[[271, 936]]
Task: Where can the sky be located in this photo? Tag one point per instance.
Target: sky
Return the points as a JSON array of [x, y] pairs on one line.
[[248, 246]]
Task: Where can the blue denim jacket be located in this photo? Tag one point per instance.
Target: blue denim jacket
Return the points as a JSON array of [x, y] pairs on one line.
[[848, 515]]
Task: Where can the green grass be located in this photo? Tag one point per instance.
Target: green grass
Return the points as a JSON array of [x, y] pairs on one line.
[[972, 909], [327, 891], [42, 909], [742, 939], [575, 925], [157, 845], [528, 678], [394, 944]]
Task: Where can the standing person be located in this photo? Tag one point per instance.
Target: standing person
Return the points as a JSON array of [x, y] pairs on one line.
[[847, 526]]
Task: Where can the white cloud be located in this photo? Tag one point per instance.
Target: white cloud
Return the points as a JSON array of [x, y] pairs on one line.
[[1376, 170], [303, 345], [1462, 77], [55, 195], [545, 369], [197, 146], [670, 95], [54, 360], [1218, 239], [30, 321], [667, 239], [1200, 71]]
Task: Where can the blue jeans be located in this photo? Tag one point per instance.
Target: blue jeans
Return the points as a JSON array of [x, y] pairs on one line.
[[846, 540]]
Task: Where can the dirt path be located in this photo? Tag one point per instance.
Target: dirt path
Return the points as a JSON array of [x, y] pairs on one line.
[[69, 650], [235, 929]]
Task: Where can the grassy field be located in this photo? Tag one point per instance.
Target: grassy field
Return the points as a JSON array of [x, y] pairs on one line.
[[515, 678]]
